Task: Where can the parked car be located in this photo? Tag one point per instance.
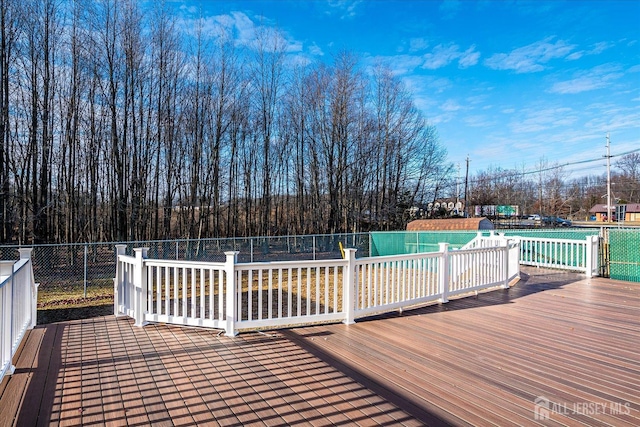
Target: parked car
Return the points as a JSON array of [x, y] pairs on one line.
[[555, 221]]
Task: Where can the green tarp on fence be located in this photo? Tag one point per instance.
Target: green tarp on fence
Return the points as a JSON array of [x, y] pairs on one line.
[[624, 254], [554, 233], [409, 242]]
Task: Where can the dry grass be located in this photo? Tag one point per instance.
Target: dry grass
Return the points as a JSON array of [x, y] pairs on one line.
[[71, 295]]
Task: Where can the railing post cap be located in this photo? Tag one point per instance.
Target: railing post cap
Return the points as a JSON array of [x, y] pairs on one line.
[[25, 253], [232, 256], [142, 252]]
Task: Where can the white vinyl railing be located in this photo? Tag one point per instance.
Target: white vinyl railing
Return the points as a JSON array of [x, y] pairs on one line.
[[396, 281], [562, 254], [565, 254], [18, 302], [236, 297]]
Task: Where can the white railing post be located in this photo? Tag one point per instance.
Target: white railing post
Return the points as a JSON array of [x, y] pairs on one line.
[[514, 258], [591, 255], [6, 318], [348, 286], [231, 309], [140, 286], [25, 253], [118, 280], [443, 272], [504, 244]]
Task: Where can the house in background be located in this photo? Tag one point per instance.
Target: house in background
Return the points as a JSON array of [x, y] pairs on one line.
[[628, 212]]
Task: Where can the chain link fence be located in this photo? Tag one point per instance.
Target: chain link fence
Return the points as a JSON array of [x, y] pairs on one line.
[[86, 270], [83, 272], [624, 254]]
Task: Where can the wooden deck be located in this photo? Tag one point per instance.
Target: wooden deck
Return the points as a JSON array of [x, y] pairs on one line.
[[475, 361]]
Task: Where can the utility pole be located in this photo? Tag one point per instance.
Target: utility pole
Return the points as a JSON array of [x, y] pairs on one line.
[[458, 186], [466, 185], [608, 156]]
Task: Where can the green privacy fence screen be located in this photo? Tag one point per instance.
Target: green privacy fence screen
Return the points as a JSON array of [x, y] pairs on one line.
[[407, 242], [557, 233], [411, 242], [624, 254]]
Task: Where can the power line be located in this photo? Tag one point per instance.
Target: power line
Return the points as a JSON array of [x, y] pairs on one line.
[[579, 162]]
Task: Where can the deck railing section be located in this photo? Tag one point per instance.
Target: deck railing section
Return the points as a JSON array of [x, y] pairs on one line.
[[393, 282], [18, 302], [240, 296], [480, 268], [575, 255], [285, 293]]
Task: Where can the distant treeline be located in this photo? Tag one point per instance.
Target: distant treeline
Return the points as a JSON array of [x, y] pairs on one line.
[[120, 121]]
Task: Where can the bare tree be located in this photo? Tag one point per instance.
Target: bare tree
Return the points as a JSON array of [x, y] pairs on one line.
[[627, 184], [8, 35], [267, 76]]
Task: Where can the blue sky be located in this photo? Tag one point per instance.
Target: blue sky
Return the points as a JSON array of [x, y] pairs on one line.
[[511, 84]]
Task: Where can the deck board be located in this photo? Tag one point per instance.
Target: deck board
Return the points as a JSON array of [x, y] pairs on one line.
[[478, 360]]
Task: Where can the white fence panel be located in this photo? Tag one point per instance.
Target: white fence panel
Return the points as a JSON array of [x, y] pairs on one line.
[[289, 293], [564, 254], [185, 293], [391, 282], [18, 299], [475, 269], [234, 297], [122, 292]]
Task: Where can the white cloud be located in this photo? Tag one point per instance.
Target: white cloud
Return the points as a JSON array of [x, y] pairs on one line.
[[595, 50], [614, 118], [450, 105], [543, 119], [469, 58], [418, 43], [189, 9], [575, 55], [440, 56], [443, 55], [399, 64], [244, 26], [315, 50], [479, 120], [420, 85], [346, 8], [600, 47], [597, 78], [530, 58]]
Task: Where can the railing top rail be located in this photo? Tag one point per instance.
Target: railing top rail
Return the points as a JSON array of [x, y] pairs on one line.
[[126, 258], [552, 239], [390, 258], [287, 264], [20, 264], [17, 267], [153, 262]]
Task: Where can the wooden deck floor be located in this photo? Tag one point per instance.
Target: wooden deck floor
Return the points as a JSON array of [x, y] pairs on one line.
[[475, 361]]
